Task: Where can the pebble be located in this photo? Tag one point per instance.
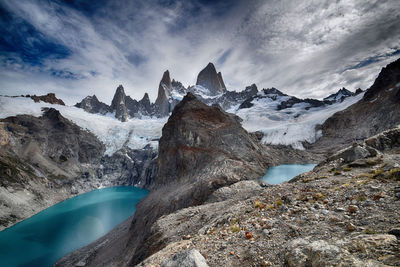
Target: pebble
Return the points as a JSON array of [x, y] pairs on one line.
[[352, 209], [350, 227], [325, 212], [266, 232], [339, 209], [249, 235]]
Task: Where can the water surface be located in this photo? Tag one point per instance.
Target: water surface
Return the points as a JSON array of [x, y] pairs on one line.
[[47, 236], [285, 172]]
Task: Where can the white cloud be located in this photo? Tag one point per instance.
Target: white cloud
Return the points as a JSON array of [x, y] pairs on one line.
[[305, 48]]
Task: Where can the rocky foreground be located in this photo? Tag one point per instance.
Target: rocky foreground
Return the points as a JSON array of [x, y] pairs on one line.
[[343, 213], [212, 210]]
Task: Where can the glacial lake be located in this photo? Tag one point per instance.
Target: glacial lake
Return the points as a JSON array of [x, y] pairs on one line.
[[49, 235], [285, 172]]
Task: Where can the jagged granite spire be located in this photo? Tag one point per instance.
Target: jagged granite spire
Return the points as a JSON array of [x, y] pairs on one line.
[[118, 104], [210, 79], [164, 93]]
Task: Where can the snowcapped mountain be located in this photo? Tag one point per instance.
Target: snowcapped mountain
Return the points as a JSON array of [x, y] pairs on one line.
[[287, 124], [135, 133], [339, 95], [281, 118]]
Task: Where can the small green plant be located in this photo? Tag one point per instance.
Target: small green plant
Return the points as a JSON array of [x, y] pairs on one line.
[[258, 204], [278, 202], [370, 231], [235, 228], [361, 198], [347, 168], [319, 196]]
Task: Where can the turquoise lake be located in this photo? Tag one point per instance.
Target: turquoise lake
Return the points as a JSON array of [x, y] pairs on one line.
[[49, 235], [285, 172]]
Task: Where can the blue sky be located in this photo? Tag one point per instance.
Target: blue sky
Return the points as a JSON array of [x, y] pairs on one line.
[[304, 48]]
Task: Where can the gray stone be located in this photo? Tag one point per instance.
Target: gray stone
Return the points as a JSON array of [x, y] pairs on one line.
[[188, 258]]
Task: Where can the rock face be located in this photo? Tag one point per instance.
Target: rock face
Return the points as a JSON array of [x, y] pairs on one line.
[[210, 79], [49, 98], [197, 135], [92, 105], [118, 104], [164, 93], [379, 110]]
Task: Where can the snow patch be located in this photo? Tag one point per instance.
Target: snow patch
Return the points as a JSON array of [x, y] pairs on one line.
[[291, 126], [135, 133]]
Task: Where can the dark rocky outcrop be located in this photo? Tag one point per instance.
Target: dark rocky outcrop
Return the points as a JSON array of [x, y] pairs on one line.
[[378, 111], [389, 77], [210, 79], [92, 105], [118, 104], [52, 138], [49, 98]]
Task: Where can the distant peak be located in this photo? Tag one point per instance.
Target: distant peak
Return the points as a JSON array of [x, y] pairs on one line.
[[166, 75], [210, 79], [210, 65], [120, 89], [145, 97]]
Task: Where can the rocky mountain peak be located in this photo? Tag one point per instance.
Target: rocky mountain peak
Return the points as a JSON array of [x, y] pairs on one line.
[[251, 88], [164, 93], [52, 114], [166, 79], [92, 104], [210, 79], [118, 104], [388, 77], [196, 133], [273, 91], [339, 96], [145, 98]]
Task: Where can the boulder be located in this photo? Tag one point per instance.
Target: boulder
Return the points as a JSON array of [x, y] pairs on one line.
[[188, 258]]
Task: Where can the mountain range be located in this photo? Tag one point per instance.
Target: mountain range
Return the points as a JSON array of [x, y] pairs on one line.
[[210, 89], [200, 150]]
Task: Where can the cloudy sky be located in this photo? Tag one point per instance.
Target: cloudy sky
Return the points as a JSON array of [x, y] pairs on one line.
[[304, 48]]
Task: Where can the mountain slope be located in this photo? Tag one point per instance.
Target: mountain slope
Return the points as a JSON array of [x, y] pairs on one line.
[[378, 110], [48, 158]]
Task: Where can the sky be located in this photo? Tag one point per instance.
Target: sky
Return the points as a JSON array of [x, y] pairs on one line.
[[304, 48]]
